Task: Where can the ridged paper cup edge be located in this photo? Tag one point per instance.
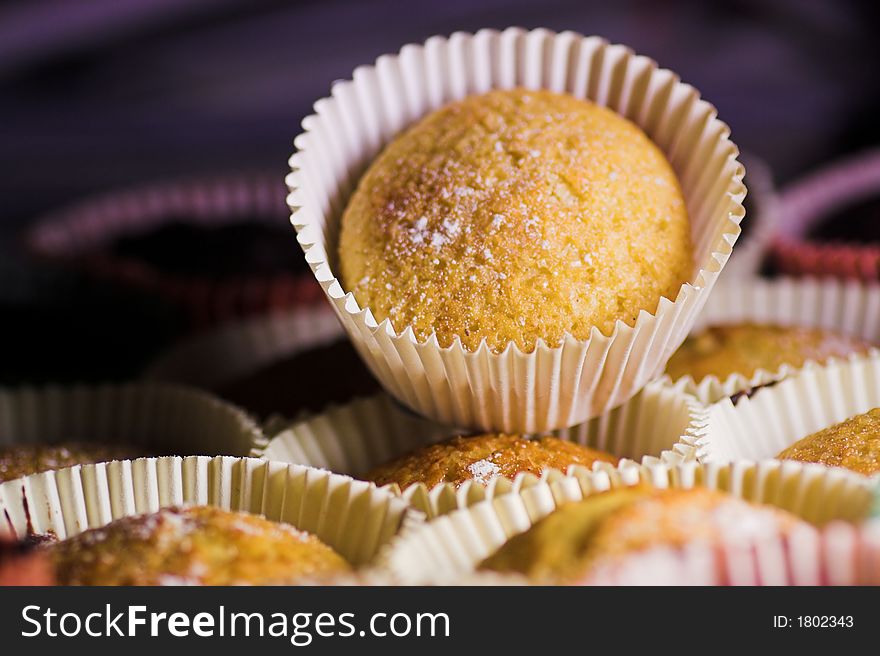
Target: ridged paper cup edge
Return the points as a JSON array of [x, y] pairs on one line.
[[353, 517], [167, 418]]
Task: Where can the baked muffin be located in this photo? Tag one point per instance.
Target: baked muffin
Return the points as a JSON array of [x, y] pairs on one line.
[[516, 216], [483, 457], [744, 348], [199, 545], [26, 459], [567, 543], [854, 444]]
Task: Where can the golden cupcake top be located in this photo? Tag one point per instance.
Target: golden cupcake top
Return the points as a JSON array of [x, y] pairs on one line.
[[481, 458], [26, 459], [516, 216], [853, 444], [610, 525], [198, 545], [744, 348]]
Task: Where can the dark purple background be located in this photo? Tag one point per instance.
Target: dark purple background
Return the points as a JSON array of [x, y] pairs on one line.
[[101, 94], [96, 94]]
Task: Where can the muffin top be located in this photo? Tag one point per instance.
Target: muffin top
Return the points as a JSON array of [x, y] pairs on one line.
[[744, 348], [515, 216], [613, 524], [854, 444], [483, 457], [198, 545], [26, 459], [22, 562]]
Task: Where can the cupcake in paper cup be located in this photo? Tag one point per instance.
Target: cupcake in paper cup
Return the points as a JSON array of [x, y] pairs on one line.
[[840, 554], [564, 529], [516, 229], [829, 222], [201, 520], [439, 469], [214, 249], [754, 332], [46, 428], [828, 415]]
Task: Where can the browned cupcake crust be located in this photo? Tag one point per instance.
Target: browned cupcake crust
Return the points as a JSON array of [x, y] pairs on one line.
[[483, 457], [744, 348], [853, 444], [26, 459], [610, 525], [516, 216], [199, 545]]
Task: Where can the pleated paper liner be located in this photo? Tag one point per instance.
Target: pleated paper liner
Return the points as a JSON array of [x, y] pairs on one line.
[[840, 554], [353, 517], [455, 543], [76, 235], [548, 388], [775, 417], [165, 419], [847, 307], [356, 437], [759, 224], [820, 194], [239, 348]]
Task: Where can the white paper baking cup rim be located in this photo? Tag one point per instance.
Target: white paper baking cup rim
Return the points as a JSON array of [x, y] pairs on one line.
[[845, 306], [509, 391], [353, 517], [352, 438], [774, 417], [451, 545], [145, 415]]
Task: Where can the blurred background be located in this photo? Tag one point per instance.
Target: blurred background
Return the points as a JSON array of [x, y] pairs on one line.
[[103, 95]]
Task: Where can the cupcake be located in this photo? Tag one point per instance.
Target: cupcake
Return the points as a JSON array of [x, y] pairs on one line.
[[611, 525], [211, 249], [26, 459], [481, 458], [853, 444], [516, 216], [521, 250], [745, 348], [200, 545]]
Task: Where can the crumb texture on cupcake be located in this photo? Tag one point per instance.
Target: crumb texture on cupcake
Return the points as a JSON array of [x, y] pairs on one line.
[[744, 348], [199, 545], [26, 459], [853, 444], [482, 457], [516, 216], [612, 525]]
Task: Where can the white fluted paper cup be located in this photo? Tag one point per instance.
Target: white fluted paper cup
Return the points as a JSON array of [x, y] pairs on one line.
[[155, 418], [240, 348], [456, 543], [353, 517], [762, 214], [548, 388], [840, 554], [354, 438], [777, 416], [844, 306]]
